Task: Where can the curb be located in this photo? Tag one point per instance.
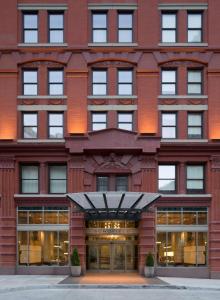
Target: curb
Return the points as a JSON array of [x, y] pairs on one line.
[[102, 286]]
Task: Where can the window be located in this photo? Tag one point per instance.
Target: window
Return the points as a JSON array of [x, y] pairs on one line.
[[30, 27], [56, 28], [102, 184], [195, 130], [55, 125], [99, 27], [194, 27], [30, 82], [167, 178], [29, 126], [99, 121], [168, 82], [125, 27], [99, 82], [195, 178], [55, 82], [57, 179], [194, 82], [29, 179], [124, 82], [169, 125], [121, 183], [169, 27], [125, 120]]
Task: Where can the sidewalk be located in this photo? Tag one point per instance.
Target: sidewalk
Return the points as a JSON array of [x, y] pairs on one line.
[[192, 282]]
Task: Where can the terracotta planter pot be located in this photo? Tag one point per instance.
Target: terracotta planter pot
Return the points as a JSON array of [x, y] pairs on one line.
[[75, 271]]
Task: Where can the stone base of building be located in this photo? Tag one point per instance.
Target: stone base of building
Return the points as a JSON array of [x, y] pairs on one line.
[[190, 272], [214, 275], [7, 270], [43, 270]]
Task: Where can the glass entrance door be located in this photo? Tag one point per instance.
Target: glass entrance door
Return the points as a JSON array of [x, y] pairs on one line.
[[111, 256]]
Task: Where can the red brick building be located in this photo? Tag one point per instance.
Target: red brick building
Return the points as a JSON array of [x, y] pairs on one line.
[[109, 135]]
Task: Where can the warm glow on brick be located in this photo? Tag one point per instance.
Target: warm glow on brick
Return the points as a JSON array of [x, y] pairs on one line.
[[147, 124], [214, 133], [7, 131], [77, 124]]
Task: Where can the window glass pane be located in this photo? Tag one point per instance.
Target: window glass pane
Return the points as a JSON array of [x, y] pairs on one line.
[[122, 183], [99, 89], [125, 89], [168, 89], [195, 184], [195, 172], [30, 119], [63, 248], [194, 20], [35, 217], [195, 132], [30, 132], [58, 186], [167, 172], [55, 119], [99, 76], [29, 186], [202, 248], [174, 218], [56, 132], [30, 36], [99, 36], [99, 21], [169, 119], [168, 76], [56, 89], [125, 21], [194, 88], [169, 132], [166, 185], [161, 218], [51, 217], [22, 217], [23, 247], [30, 76], [189, 218], [202, 218], [125, 117], [125, 36], [102, 184], [125, 126], [168, 36], [99, 118], [30, 89], [169, 21], [194, 36], [194, 120], [55, 76], [58, 172], [30, 21], [189, 248], [63, 217], [50, 248], [194, 76], [98, 126], [174, 249], [56, 36], [125, 76], [161, 245], [29, 172], [56, 21]]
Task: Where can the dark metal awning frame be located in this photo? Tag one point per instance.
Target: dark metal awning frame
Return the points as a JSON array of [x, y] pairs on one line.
[[113, 205]]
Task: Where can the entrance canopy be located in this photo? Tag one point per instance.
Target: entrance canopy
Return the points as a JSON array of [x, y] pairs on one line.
[[113, 205]]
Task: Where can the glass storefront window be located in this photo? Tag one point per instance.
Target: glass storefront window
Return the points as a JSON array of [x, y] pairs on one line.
[[63, 217], [202, 218], [161, 218], [22, 217], [113, 224], [181, 248], [189, 218], [174, 218], [51, 217], [35, 217], [43, 247]]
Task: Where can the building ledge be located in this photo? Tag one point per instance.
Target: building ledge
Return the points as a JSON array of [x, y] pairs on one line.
[[39, 195], [121, 6], [42, 97], [183, 97], [183, 44], [112, 97], [40, 141], [46, 6], [184, 141], [43, 45], [186, 195], [112, 44]]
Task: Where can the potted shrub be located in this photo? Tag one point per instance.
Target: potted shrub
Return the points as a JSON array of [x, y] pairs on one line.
[[75, 263], [149, 266]]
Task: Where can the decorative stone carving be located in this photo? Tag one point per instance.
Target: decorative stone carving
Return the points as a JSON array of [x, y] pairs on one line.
[[7, 162]]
